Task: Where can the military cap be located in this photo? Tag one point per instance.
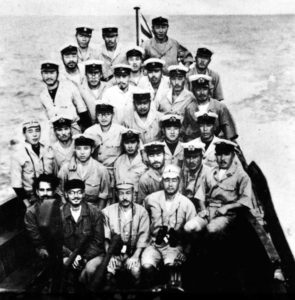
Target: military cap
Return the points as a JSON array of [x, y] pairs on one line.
[[109, 30], [171, 171], [154, 147], [200, 80], [74, 184], [61, 119], [84, 139], [124, 185], [93, 65], [193, 147], [203, 51], [130, 135], [177, 70], [121, 69], [171, 120], [152, 63], [223, 146], [83, 30], [69, 49], [206, 117], [162, 20], [49, 66], [31, 123], [135, 51], [141, 94], [103, 106]]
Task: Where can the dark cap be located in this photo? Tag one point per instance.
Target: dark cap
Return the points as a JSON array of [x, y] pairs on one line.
[[204, 52], [207, 118], [224, 147], [62, 122], [104, 107], [69, 50], [136, 51], [93, 66], [84, 31], [109, 31], [139, 96], [74, 184], [83, 140], [190, 152], [154, 148], [130, 135], [160, 21], [49, 66], [122, 69]]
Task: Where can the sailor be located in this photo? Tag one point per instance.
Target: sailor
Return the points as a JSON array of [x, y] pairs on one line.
[[151, 180], [202, 61], [83, 37], [164, 47], [177, 97], [28, 161], [111, 52], [144, 117], [224, 124], [82, 166], [129, 165], [45, 187], [120, 95], [134, 58], [155, 81], [82, 220], [169, 211], [63, 148], [62, 96], [93, 88], [171, 124], [131, 221]]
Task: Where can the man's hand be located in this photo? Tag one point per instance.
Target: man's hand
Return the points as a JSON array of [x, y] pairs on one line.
[[43, 253], [132, 262], [76, 264]]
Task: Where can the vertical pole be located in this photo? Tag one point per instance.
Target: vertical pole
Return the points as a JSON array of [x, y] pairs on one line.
[[137, 24]]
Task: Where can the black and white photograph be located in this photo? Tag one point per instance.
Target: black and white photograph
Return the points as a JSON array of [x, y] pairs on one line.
[[147, 148]]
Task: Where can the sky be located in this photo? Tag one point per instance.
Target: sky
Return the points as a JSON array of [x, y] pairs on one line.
[[125, 7]]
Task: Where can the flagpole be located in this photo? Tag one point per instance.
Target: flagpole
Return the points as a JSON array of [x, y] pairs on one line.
[[137, 24]]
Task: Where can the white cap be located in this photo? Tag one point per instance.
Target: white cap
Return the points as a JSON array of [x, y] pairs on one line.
[[61, 114], [93, 62], [199, 76], [209, 114], [193, 145], [179, 67], [171, 171], [224, 141], [154, 61]]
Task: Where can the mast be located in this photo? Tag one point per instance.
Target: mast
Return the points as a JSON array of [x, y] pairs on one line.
[[137, 24]]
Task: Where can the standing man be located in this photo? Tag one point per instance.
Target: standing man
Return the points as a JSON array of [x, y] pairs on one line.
[[151, 180], [62, 96], [28, 161], [131, 221], [164, 47], [177, 97], [82, 220], [83, 37], [111, 52], [169, 211], [202, 61], [134, 59], [129, 165], [224, 124], [171, 124], [83, 167], [144, 117]]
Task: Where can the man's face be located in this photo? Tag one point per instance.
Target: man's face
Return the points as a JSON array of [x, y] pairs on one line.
[[125, 197], [32, 135], [130, 147], [142, 107], [193, 161], [70, 60], [122, 81], [83, 152], [207, 131], [177, 83], [83, 40], [202, 62], [171, 133], [49, 77], [111, 41], [171, 185], [75, 196], [156, 160], [105, 119], [93, 78], [44, 191], [225, 160], [201, 93], [63, 133], [135, 63], [160, 31], [155, 75]]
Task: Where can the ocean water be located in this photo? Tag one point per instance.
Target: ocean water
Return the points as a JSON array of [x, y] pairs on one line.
[[253, 54]]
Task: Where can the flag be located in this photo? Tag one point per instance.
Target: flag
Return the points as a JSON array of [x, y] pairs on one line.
[[145, 29]]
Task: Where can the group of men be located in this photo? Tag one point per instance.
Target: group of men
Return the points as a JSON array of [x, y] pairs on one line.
[[140, 146]]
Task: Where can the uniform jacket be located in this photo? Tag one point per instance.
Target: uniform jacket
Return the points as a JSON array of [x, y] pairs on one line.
[[176, 158], [84, 56], [90, 223], [140, 225], [76, 78], [62, 154]]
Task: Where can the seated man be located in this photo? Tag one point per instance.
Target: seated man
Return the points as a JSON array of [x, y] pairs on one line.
[[169, 211], [129, 165], [131, 221], [171, 124], [82, 220], [82, 166]]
